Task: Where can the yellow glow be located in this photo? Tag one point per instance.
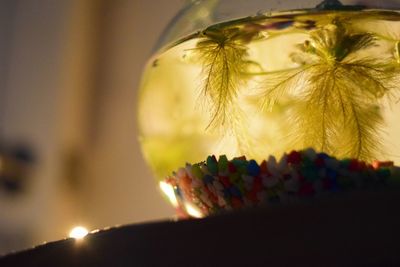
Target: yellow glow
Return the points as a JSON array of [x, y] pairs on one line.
[[78, 232], [168, 190], [192, 211], [203, 13]]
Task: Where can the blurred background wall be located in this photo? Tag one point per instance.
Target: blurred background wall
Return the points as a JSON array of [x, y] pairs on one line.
[[69, 155]]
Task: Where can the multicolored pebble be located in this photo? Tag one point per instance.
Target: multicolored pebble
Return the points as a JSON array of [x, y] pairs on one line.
[[216, 185]]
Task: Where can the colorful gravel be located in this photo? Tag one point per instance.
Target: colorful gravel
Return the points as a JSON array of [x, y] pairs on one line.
[[219, 185]]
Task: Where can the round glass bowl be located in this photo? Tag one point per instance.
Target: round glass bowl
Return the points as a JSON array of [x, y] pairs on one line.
[[259, 78]]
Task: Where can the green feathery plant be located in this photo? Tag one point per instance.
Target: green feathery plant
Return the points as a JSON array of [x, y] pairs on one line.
[[338, 87], [223, 54], [338, 90], [224, 57]]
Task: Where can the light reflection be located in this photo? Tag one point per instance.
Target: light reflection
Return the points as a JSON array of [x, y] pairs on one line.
[[192, 211], [168, 190]]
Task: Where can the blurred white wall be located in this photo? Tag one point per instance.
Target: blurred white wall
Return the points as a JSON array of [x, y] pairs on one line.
[[117, 172], [69, 74]]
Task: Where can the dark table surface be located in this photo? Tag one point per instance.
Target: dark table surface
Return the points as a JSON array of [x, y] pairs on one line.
[[361, 229]]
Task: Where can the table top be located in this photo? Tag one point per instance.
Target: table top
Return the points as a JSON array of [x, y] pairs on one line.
[[357, 229]]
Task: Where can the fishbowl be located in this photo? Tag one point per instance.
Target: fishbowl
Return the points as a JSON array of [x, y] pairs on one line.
[[258, 78]]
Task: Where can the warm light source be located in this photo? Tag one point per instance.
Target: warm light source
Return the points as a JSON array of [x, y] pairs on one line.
[[168, 190], [78, 232]]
